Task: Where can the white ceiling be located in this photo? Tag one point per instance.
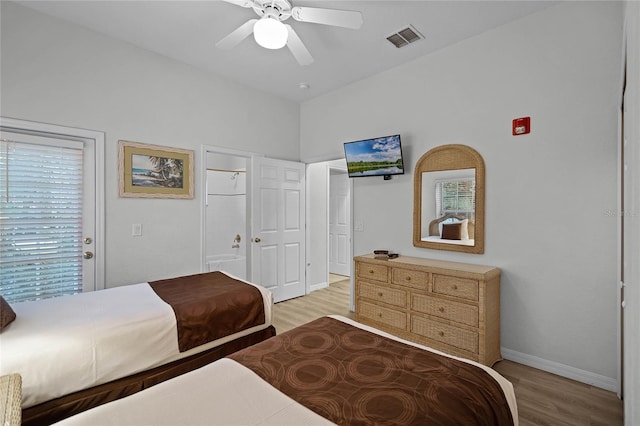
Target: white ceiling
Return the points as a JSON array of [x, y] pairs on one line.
[[187, 31]]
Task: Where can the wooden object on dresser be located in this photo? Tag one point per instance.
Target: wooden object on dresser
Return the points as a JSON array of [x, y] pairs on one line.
[[449, 306]]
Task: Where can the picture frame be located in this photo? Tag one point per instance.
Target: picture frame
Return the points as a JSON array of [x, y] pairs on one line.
[[153, 171]]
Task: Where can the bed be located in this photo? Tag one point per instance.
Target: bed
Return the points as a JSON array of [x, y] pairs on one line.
[[329, 371], [451, 229], [76, 352]]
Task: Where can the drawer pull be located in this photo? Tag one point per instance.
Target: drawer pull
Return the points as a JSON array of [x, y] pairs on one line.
[[455, 287], [380, 314], [441, 309], [371, 271], [441, 333], [380, 294], [408, 278]]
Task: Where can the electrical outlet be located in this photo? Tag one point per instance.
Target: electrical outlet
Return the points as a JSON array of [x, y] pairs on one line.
[[136, 230]]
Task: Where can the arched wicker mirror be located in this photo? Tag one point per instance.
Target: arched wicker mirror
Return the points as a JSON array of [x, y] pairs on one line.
[[448, 209]]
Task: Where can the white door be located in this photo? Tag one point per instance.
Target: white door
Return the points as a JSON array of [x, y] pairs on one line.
[[49, 208], [339, 229], [278, 220]]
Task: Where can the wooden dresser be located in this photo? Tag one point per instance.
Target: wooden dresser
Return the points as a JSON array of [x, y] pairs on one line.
[[449, 306]]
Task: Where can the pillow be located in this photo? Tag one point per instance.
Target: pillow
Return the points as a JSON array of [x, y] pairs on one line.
[[6, 313], [464, 230], [452, 231]]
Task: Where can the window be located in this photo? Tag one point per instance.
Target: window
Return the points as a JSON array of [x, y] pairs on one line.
[[41, 207], [456, 197]]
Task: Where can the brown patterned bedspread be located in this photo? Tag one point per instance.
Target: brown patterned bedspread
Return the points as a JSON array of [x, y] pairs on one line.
[[354, 377], [210, 306]]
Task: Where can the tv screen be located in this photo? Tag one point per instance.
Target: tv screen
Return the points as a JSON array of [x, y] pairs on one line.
[[374, 157]]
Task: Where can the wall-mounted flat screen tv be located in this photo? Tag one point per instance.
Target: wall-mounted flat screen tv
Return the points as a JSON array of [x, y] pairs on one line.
[[374, 157]]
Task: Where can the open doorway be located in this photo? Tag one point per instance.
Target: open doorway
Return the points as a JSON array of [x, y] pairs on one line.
[[226, 226], [339, 216], [329, 235], [253, 219]]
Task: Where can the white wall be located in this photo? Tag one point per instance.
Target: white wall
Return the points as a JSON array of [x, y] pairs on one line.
[[632, 217], [60, 73], [547, 193]]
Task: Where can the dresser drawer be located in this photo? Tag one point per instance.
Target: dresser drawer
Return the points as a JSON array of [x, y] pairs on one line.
[[458, 312], [444, 333], [410, 278], [388, 295], [397, 319], [463, 288], [373, 272], [454, 307]]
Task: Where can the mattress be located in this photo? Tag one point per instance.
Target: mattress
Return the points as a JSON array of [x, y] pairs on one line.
[[226, 392], [66, 344]]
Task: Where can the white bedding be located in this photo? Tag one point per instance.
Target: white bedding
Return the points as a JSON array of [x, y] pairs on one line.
[[66, 344], [437, 239], [225, 393]]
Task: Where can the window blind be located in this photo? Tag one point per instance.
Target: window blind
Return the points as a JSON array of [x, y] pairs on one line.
[[455, 196], [41, 207]]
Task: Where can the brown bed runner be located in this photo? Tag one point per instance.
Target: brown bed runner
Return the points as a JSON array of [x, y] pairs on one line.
[[210, 306], [352, 376]]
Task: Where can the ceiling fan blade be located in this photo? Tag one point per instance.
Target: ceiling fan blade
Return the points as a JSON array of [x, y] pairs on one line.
[[241, 3], [337, 18], [297, 47], [239, 34]]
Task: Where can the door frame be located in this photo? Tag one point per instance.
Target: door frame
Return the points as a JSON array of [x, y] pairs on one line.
[[98, 138], [207, 149], [340, 170], [352, 306], [350, 245], [351, 268]]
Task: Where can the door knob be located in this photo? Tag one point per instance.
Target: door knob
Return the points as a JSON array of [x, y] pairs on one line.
[[87, 255], [257, 239]]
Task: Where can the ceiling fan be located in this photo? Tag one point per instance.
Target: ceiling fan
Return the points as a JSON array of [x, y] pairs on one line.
[[270, 32]]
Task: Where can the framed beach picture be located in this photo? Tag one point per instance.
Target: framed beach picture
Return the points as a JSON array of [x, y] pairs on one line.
[[152, 171]]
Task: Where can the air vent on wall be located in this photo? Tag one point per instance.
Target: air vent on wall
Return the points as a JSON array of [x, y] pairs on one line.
[[404, 37]]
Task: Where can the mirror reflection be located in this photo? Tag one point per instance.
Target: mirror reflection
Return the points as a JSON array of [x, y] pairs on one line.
[[448, 207]]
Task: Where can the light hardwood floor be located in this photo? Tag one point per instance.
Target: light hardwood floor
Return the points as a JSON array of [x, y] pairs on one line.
[[332, 300], [543, 398]]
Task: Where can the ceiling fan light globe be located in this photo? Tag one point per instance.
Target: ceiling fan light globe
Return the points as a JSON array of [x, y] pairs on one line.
[[270, 33]]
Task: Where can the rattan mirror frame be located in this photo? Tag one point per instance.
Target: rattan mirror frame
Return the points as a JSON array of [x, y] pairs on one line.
[[450, 157]]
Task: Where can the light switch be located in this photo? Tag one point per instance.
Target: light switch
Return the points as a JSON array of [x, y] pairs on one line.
[[136, 230], [358, 225]]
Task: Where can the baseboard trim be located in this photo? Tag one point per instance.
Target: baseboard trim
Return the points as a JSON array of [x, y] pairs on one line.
[[314, 287], [569, 372]]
